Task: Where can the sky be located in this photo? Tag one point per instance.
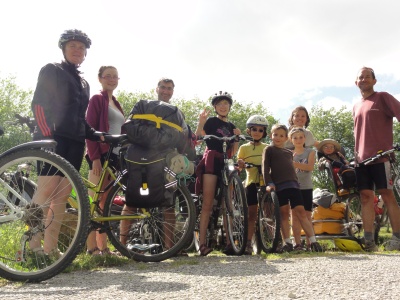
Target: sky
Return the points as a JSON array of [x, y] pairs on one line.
[[280, 53]]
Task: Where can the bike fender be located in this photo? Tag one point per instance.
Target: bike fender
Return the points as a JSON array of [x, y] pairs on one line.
[[45, 144]]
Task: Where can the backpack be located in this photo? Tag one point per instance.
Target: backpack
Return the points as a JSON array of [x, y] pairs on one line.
[[347, 177], [323, 198], [159, 125]]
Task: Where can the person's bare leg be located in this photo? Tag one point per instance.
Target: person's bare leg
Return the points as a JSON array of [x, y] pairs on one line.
[[367, 210], [209, 186], [285, 226]]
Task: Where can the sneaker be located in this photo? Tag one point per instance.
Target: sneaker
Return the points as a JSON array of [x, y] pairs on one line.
[[286, 248], [299, 248], [316, 247], [228, 250], [249, 250], [393, 244], [370, 246]]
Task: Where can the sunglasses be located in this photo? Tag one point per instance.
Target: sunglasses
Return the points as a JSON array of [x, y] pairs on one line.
[[255, 129]]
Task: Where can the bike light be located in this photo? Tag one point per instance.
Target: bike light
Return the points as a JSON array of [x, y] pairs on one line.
[[231, 165], [144, 190]]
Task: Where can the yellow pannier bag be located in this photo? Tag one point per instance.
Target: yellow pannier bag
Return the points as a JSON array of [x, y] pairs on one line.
[[335, 212], [328, 228]]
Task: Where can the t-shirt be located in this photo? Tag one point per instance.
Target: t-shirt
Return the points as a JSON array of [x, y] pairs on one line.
[[277, 167], [304, 177], [373, 124], [217, 127], [251, 154]]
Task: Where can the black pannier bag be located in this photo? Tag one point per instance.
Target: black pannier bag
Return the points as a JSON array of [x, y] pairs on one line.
[[157, 130], [146, 178], [347, 176]]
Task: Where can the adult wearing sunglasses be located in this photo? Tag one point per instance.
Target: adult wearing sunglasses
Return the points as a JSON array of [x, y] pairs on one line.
[[251, 152]]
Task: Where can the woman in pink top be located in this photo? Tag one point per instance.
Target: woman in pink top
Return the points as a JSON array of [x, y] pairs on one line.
[[104, 114]]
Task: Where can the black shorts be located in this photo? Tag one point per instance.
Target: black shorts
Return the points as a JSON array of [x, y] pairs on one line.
[[113, 161], [307, 199], [67, 148], [251, 194], [376, 176], [290, 195]]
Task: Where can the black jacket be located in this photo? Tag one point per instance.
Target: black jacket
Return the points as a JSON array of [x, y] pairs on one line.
[[59, 103]]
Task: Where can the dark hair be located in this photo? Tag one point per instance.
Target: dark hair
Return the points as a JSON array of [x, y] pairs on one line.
[[103, 68], [165, 80], [369, 69], [298, 108], [280, 126]]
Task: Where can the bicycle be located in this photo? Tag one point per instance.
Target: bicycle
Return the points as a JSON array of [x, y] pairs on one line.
[[230, 206], [146, 237], [21, 221], [20, 178], [267, 235], [395, 178]]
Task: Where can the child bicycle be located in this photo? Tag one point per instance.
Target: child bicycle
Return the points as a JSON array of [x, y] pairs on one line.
[[267, 235], [230, 206]]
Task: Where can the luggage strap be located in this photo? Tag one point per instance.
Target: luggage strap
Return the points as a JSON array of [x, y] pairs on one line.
[[157, 120]]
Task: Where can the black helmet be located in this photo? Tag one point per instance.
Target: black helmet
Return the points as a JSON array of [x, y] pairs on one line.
[[221, 96], [74, 34]]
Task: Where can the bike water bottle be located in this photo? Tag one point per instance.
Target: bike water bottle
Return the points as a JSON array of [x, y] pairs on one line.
[[73, 196]]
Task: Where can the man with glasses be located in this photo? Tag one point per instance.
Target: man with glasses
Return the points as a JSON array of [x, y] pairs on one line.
[[373, 131], [165, 89]]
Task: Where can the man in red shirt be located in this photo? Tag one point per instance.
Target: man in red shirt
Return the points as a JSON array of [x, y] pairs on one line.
[[373, 131]]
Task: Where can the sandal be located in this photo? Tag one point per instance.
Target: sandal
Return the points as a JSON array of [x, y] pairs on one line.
[[107, 251], [204, 250], [94, 252]]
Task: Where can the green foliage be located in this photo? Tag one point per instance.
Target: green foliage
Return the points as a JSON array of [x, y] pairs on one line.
[[334, 124], [13, 100]]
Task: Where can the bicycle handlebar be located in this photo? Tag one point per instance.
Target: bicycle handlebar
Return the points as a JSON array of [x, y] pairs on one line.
[[379, 155], [224, 138]]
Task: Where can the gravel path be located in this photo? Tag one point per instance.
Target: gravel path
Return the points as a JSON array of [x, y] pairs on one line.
[[352, 276]]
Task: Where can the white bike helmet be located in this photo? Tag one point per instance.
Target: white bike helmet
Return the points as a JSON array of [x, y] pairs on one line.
[[258, 120]]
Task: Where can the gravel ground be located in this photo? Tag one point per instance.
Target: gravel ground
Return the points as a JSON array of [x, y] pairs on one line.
[[338, 276]]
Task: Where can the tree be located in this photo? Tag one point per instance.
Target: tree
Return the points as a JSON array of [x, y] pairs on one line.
[[14, 100], [334, 124]]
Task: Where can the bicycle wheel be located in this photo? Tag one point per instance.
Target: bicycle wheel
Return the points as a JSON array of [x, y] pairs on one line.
[[236, 213], [269, 226], [23, 225], [353, 217], [151, 234]]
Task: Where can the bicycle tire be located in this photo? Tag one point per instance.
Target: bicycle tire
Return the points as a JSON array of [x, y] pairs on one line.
[[268, 222], [146, 238], [18, 262], [236, 213]]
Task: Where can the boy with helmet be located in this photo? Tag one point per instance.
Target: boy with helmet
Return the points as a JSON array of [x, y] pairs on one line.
[[256, 127], [211, 165], [59, 105]]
